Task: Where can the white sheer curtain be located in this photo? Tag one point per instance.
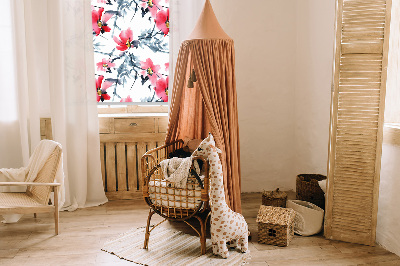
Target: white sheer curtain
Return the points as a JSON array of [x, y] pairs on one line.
[[183, 17], [55, 77], [10, 143]]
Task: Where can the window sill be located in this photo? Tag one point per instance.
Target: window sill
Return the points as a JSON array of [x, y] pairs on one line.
[[127, 115], [132, 110]]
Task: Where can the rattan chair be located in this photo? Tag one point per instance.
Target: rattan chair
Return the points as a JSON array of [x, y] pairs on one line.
[[175, 203], [36, 197]]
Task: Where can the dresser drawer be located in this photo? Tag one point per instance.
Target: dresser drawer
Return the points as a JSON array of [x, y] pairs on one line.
[[134, 125], [162, 124], [106, 125]]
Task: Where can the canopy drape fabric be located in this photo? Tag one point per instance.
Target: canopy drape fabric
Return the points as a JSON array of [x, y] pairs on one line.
[[211, 106], [54, 77]]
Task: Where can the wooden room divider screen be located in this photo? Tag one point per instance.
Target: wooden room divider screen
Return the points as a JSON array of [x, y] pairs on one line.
[[358, 97]]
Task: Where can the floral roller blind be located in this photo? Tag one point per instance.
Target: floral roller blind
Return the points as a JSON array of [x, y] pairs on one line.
[[131, 53]]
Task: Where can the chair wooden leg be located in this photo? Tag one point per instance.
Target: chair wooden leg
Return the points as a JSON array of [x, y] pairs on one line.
[[147, 235], [203, 232], [203, 236], [56, 211], [34, 215]]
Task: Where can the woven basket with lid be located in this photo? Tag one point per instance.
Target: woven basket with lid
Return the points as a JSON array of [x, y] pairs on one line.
[[274, 198], [308, 189]]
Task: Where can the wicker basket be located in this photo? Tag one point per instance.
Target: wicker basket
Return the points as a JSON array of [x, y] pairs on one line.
[[274, 198], [308, 189], [275, 225]]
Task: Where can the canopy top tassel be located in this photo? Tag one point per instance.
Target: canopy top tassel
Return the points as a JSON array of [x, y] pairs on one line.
[[207, 26]]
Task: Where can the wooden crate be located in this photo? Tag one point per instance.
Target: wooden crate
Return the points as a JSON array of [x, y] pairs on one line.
[[123, 141]]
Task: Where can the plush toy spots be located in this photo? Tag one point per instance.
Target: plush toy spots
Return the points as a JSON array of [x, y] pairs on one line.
[[226, 225]]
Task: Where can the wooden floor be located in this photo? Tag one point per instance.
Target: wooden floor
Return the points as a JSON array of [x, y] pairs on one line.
[[82, 233]]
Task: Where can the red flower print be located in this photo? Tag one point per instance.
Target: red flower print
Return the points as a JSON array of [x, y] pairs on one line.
[[167, 67], [162, 89], [162, 21], [152, 6], [150, 70], [125, 40], [99, 20], [101, 88], [105, 65], [126, 100]]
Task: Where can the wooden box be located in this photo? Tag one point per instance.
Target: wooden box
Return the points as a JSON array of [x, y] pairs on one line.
[[275, 225]]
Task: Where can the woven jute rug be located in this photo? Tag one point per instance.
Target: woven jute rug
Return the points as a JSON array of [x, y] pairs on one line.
[[168, 247]]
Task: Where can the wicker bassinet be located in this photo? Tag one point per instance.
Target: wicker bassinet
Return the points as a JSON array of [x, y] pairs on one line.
[[170, 202]]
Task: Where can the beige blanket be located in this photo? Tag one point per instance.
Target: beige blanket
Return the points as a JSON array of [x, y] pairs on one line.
[[176, 170]]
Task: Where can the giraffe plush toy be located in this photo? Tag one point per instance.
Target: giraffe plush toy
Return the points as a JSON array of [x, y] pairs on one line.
[[226, 225]]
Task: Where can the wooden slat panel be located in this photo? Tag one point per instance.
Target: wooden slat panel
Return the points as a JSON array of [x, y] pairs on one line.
[[161, 153], [132, 166], [124, 195], [102, 161], [121, 167], [357, 119], [141, 149], [362, 48], [151, 145], [123, 176], [110, 167]]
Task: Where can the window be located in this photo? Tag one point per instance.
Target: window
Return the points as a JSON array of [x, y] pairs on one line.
[[131, 53]]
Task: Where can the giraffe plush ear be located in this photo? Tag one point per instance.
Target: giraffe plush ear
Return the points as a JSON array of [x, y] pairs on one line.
[[216, 149]]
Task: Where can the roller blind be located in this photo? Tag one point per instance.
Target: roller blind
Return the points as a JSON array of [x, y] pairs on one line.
[[358, 97]]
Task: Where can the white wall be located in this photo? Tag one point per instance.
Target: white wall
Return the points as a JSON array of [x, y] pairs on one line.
[[314, 60], [184, 14], [284, 52], [388, 227], [265, 37]]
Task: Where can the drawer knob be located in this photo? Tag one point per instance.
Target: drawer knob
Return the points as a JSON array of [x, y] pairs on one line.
[[133, 124]]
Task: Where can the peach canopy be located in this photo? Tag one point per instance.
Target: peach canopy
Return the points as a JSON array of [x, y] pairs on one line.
[[210, 104]]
